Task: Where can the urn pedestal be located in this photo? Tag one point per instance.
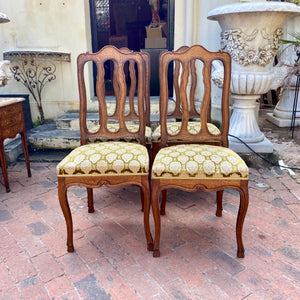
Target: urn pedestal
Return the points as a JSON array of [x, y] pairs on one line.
[[5, 73], [251, 33]]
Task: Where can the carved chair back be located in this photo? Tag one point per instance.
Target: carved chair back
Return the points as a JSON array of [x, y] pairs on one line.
[[185, 61], [125, 89]]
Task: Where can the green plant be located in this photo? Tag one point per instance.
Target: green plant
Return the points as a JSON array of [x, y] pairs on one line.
[[37, 122]]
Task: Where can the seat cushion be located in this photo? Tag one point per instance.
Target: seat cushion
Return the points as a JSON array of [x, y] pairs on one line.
[[113, 127], [174, 127], [198, 161], [114, 158]]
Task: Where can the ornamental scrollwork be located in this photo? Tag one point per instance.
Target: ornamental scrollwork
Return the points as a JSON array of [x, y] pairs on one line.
[[34, 74], [235, 41]]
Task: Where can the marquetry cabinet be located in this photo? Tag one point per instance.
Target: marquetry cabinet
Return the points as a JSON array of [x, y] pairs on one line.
[[12, 123]]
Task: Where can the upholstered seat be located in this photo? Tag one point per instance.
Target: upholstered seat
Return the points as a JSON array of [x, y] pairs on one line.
[[114, 127], [115, 158], [174, 127], [198, 161], [195, 155], [105, 156]]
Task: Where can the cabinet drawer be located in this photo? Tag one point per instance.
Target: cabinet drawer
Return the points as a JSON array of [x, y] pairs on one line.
[[11, 110], [11, 120]]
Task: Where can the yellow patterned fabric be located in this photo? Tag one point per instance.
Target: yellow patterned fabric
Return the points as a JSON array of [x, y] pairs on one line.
[[193, 127], [114, 158], [198, 161], [113, 127]]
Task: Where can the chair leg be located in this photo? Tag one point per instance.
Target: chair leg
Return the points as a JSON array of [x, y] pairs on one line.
[[156, 216], [90, 200], [63, 201], [244, 201], [163, 202], [142, 200], [25, 150], [3, 166], [219, 203], [146, 191]]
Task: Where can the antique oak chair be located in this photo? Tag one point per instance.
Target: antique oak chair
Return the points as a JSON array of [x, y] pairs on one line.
[[116, 159], [189, 166], [130, 115], [174, 113]]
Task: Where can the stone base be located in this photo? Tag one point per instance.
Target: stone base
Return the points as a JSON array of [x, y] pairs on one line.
[[281, 122], [264, 146]]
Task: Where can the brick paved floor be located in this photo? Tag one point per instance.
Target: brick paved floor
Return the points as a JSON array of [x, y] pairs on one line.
[[198, 250]]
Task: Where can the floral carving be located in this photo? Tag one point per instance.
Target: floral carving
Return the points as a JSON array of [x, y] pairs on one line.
[[236, 42]]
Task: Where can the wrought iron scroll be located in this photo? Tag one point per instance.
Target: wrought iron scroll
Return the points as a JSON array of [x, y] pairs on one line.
[[295, 103], [35, 69]]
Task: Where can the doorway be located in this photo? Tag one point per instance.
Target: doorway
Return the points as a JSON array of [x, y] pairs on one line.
[[122, 23]]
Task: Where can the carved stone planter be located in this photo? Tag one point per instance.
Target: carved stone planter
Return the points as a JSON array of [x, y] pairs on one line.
[[251, 34], [5, 73], [282, 114]]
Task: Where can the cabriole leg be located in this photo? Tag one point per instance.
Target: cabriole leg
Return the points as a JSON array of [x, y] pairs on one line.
[[63, 201], [156, 216], [244, 200]]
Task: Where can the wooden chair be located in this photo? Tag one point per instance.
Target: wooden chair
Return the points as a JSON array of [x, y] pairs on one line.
[[174, 116], [191, 166], [130, 115], [112, 162]]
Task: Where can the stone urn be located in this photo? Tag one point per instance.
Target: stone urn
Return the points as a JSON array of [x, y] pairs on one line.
[[5, 72], [251, 33], [282, 114]]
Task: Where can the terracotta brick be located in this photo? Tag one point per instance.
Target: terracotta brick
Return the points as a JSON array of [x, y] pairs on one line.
[[261, 267], [98, 237], [115, 213], [195, 258], [194, 239], [295, 209], [186, 271], [18, 230], [59, 286], [290, 271], [71, 295], [251, 280], [73, 266], [20, 267], [177, 289], [123, 291], [113, 229], [11, 294], [33, 288], [290, 288], [8, 245], [47, 267], [157, 268], [132, 246], [106, 274], [81, 222], [143, 283], [6, 281], [227, 283], [55, 243], [33, 245], [198, 250], [231, 265], [287, 196], [87, 251], [117, 256], [209, 290], [89, 287], [296, 192]]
